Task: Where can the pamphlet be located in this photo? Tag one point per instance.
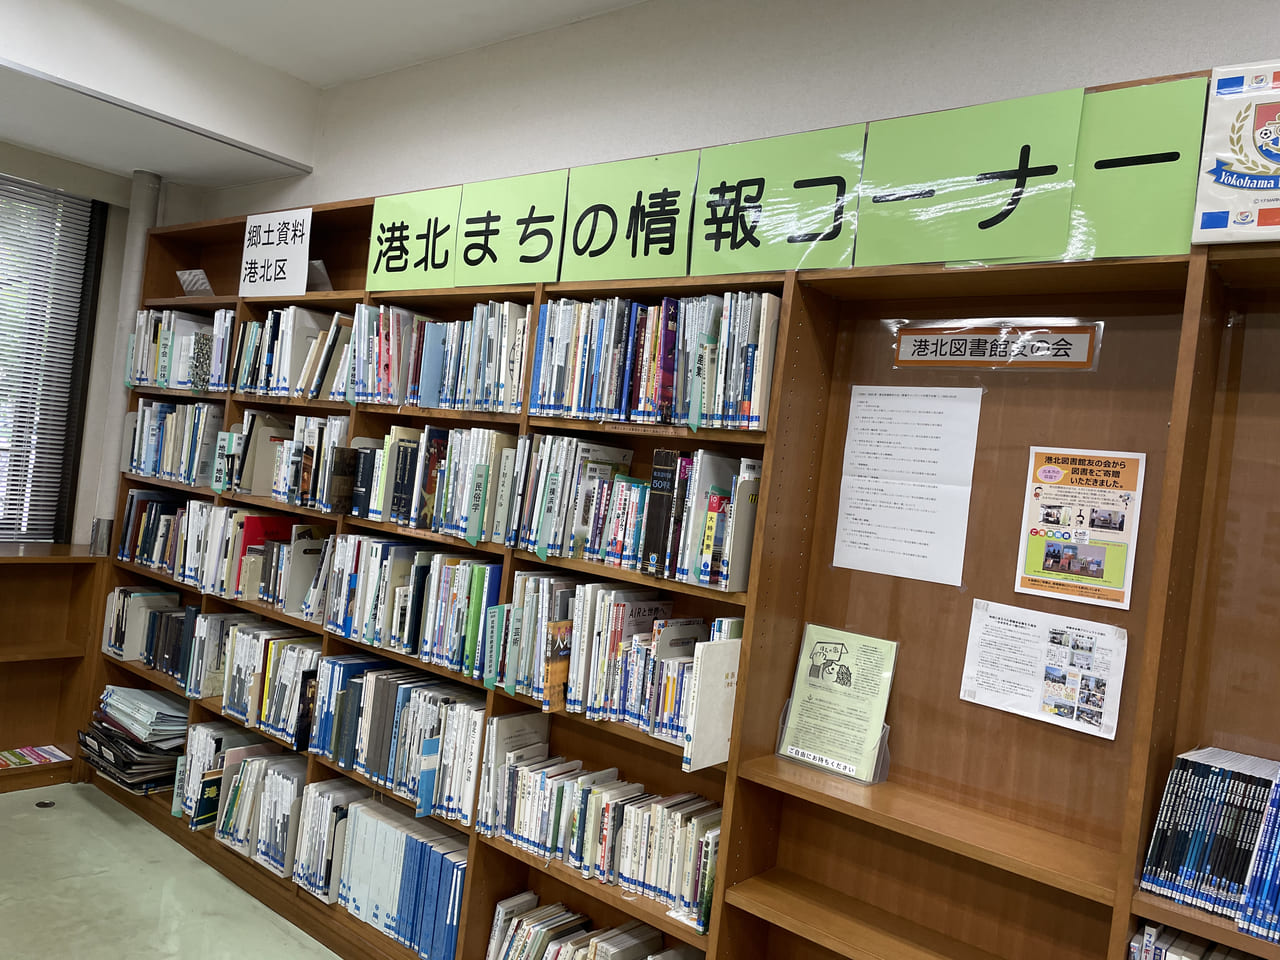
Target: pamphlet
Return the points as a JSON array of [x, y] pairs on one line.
[[195, 283], [904, 489], [1080, 525], [838, 701], [1057, 669]]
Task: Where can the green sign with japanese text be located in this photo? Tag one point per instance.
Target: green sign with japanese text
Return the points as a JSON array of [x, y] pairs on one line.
[[974, 183], [411, 246], [509, 230], [783, 203], [630, 219], [1136, 167]]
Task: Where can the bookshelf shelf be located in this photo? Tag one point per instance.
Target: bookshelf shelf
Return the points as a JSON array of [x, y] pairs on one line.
[[409, 660], [302, 403], [207, 396], [608, 572], [413, 533], [665, 286], [154, 677], [428, 414], [38, 774], [843, 925], [190, 303], [1201, 924], [1049, 858], [384, 792], [25, 651], [270, 612], [642, 908], [453, 297], [146, 481], [278, 506], [661, 431], [338, 299]]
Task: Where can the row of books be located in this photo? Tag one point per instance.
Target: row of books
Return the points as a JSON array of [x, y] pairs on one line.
[[1215, 844], [609, 829], [172, 441], [524, 929], [286, 355], [696, 361], [174, 349], [31, 756], [258, 811], [269, 670], [307, 461], [135, 738], [400, 357], [1155, 941], [414, 735]]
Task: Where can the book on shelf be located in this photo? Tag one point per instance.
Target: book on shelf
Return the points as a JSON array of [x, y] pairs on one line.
[[173, 349], [414, 735], [1213, 845], [135, 738], [172, 441], [1154, 941], [598, 824], [403, 877], [207, 744], [400, 357], [523, 928], [258, 809], [31, 756], [322, 830], [704, 361], [281, 355]]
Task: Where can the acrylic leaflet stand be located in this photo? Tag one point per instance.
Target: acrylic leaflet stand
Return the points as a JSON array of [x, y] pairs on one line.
[[878, 775]]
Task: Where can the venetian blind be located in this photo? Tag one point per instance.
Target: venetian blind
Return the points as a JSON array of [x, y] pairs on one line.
[[44, 241]]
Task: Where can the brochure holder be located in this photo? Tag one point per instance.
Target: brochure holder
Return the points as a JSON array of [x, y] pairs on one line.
[[878, 775]]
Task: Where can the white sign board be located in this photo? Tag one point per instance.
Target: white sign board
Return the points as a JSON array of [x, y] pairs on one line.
[[277, 249]]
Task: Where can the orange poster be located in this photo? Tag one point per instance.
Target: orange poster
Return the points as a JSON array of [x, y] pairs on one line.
[[1080, 525]]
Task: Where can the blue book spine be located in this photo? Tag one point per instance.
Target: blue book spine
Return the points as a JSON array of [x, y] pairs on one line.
[[440, 935], [623, 407], [535, 395]]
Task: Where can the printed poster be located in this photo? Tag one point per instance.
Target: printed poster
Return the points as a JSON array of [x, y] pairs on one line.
[[1080, 525], [1055, 669], [838, 701], [1238, 194], [906, 480]]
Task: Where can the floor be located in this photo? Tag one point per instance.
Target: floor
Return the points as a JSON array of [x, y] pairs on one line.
[[87, 878]]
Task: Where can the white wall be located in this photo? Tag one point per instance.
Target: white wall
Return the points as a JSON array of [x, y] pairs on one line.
[[111, 49], [675, 74]]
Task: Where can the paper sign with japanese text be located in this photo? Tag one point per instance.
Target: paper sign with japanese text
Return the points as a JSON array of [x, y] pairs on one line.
[[1136, 170], [1039, 343], [277, 247], [778, 204], [412, 242], [974, 183], [1238, 190], [630, 219], [509, 230], [1079, 530]]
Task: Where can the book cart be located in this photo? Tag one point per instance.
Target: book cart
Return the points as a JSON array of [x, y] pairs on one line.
[[995, 836]]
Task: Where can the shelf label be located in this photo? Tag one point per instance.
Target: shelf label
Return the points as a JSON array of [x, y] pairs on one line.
[[976, 183], [276, 251], [784, 203], [510, 230], [1136, 170], [630, 219], [1040, 343], [411, 246]]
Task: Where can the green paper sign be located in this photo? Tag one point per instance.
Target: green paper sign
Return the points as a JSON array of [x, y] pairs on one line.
[[510, 229], [630, 219], [1136, 169], [975, 183], [778, 204], [411, 246]]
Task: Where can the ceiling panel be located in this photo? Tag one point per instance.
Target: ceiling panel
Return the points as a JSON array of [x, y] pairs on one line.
[[328, 42]]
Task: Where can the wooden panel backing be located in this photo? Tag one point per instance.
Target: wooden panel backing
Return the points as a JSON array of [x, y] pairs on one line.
[[1051, 778], [920, 885]]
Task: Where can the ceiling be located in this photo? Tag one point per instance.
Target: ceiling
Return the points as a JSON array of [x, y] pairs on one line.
[[76, 125], [329, 42]]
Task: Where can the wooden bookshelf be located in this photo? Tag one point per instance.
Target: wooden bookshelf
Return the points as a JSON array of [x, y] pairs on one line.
[[994, 838]]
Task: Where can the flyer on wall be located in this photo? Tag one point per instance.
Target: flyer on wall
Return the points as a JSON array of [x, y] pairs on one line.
[[1057, 669], [1079, 527]]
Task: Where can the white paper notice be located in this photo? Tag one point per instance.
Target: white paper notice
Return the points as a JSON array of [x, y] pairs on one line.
[[276, 254], [904, 491], [1061, 670]]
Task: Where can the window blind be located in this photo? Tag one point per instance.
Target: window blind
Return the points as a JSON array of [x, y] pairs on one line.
[[46, 243]]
